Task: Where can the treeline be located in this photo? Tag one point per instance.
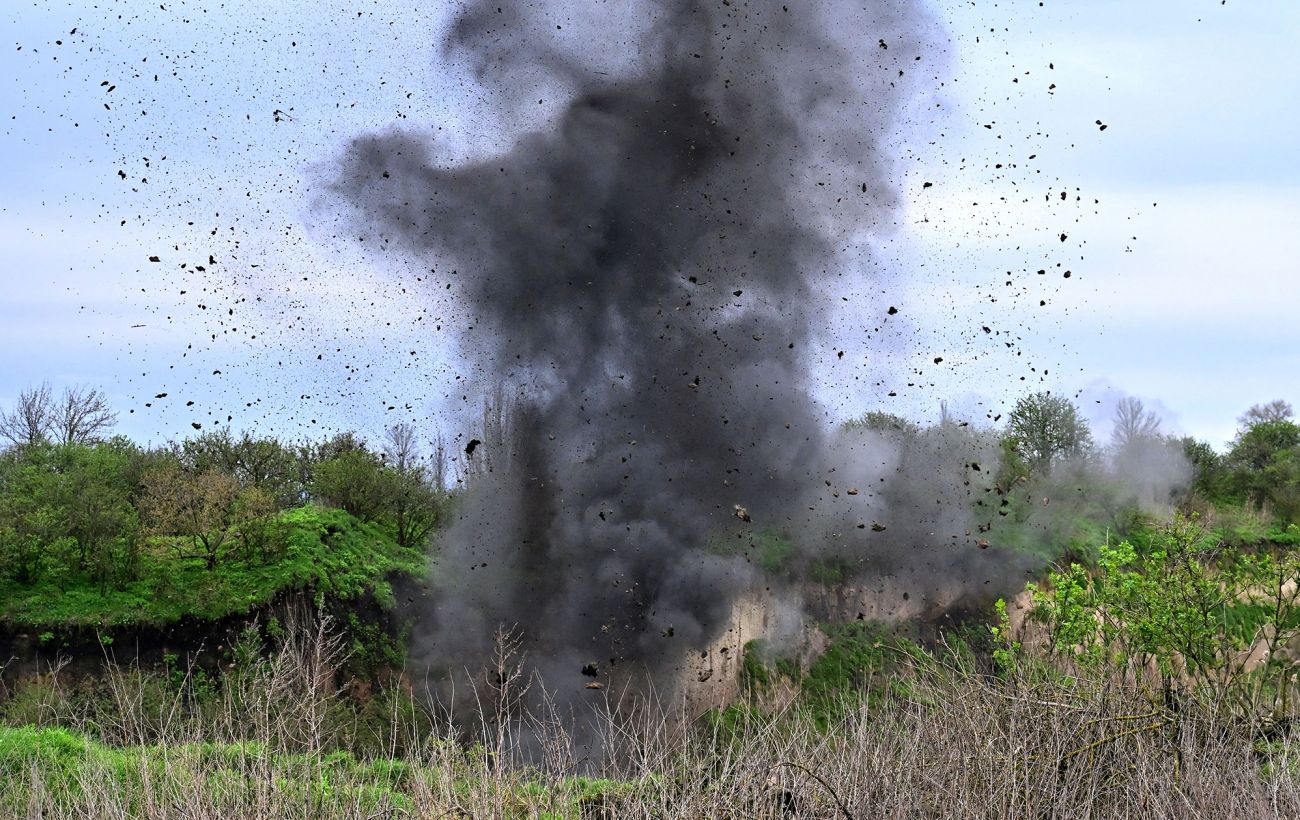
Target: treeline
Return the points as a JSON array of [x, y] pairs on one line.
[[1259, 471], [1042, 482], [79, 505]]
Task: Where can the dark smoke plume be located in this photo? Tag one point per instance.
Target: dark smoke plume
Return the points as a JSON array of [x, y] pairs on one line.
[[649, 271]]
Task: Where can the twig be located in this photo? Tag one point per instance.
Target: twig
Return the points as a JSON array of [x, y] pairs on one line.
[[843, 808]]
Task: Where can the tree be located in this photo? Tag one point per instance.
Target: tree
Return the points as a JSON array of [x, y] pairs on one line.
[[1133, 424], [30, 420], [414, 495], [256, 463], [400, 447], [1208, 473], [415, 506], [1173, 603], [1046, 429], [203, 507], [98, 510], [881, 422], [355, 481], [1264, 466], [82, 416], [1276, 410]]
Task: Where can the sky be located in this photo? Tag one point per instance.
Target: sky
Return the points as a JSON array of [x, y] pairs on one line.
[[202, 133]]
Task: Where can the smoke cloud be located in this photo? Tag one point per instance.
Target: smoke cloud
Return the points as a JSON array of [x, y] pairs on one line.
[[648, 269]]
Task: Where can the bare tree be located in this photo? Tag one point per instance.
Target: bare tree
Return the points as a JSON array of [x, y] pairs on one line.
[[82, 416], [400, 446], [1276, 410], [441, 458], [32, 418], [1133, 424], [493, 453]]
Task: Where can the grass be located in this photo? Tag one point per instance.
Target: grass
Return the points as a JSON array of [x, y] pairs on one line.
[[953, 742], [325, 551]]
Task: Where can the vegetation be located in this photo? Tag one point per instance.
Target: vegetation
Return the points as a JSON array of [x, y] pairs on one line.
[[318, 551], [1152, 669], [105, 533]]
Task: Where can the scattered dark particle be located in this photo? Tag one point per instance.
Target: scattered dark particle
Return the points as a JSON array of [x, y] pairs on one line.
[[883, 44], [1067, 274], [189, 404], [591, 670], [121, 174], [154, 259], [1101, 126], [216, 372], [892, 310], [667, 633], [469, 448], [986, 329], [161, 396], [906, 596], [974, 465], [852, 491], [938, 359], [736, 292], [840, 355], [876, 526], [862, 616], [925, 185], [1064, 237], [196, 425]]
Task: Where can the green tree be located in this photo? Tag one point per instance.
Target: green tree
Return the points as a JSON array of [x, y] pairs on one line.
[[98, 510], [1183, 604], [1045, 429], [1263, 467], [355, 481], [201, 507]]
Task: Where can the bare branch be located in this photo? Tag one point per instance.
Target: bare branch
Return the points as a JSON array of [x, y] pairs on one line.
[[82, 416], [32, 418]]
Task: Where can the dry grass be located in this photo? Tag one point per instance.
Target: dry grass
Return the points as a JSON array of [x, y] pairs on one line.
[[949, 742]]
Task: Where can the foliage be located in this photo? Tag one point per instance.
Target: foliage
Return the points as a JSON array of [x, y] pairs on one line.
[[1046, 429], [1262, 468], [881, 422], [1184, 606], [325, 551]]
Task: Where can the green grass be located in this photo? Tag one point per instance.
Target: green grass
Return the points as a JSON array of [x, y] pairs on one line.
[[326, 551], [69, 764], [73, 769]]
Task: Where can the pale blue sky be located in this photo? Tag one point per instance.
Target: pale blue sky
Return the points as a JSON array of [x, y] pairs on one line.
[[1196, 315]]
